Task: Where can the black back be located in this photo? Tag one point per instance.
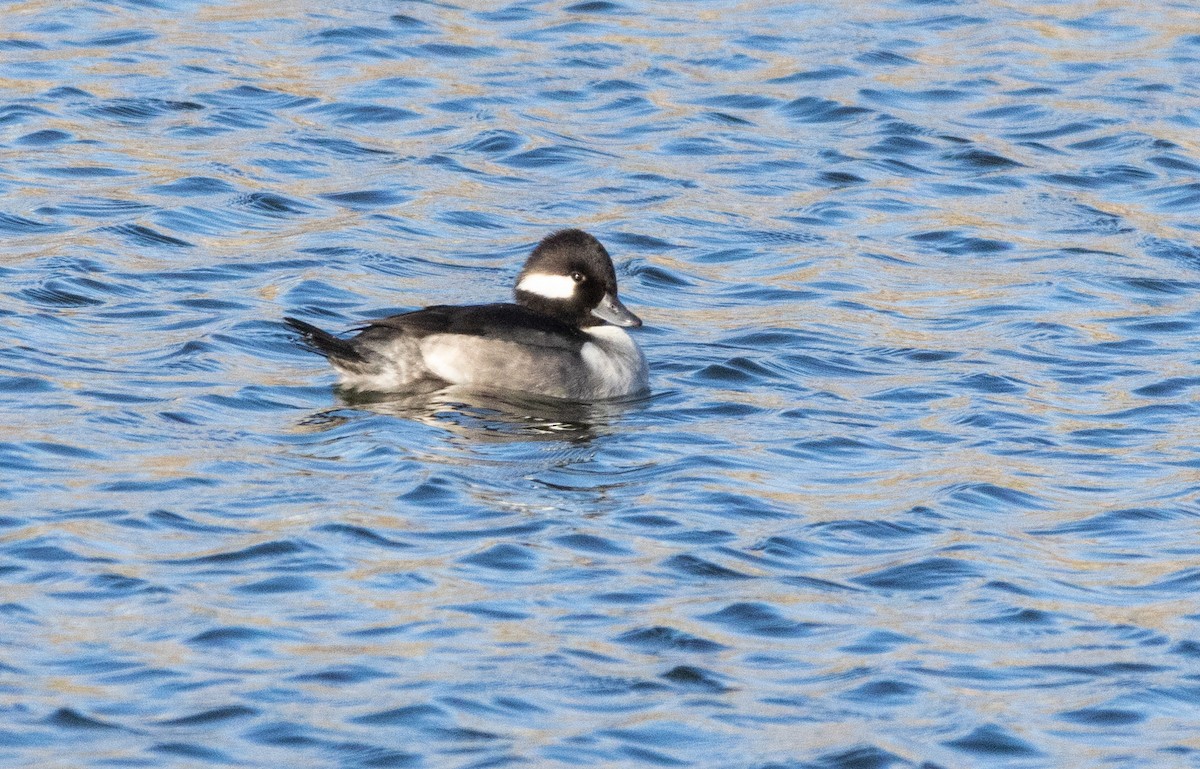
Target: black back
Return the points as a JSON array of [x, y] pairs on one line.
[[509, 322]]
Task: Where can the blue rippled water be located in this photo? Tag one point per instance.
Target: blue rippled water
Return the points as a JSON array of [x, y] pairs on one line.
[[918, 484]]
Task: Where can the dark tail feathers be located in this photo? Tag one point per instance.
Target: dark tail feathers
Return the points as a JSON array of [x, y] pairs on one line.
[[325, 343]]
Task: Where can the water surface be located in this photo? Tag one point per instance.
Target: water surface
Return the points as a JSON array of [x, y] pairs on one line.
[[917, 485]]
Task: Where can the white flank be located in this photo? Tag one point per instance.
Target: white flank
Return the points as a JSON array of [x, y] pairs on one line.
[[449, 358], [549, 286]]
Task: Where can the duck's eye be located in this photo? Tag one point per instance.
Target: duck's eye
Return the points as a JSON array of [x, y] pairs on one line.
[[577, 277]]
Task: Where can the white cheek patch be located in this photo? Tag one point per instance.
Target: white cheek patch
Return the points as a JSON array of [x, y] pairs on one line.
[[549, 286]]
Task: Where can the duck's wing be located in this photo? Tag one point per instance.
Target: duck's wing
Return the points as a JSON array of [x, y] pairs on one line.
[[501, 322]]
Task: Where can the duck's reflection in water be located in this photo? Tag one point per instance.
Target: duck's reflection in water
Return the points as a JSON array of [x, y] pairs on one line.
[[489, 417]]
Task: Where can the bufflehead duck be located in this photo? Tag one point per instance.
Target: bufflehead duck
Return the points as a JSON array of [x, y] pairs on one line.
[[564, 338]]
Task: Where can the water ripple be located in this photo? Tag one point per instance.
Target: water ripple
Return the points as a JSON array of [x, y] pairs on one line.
[[918, 286]]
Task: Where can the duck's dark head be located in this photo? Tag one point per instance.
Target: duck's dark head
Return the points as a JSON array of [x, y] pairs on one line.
[[569, 276]]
